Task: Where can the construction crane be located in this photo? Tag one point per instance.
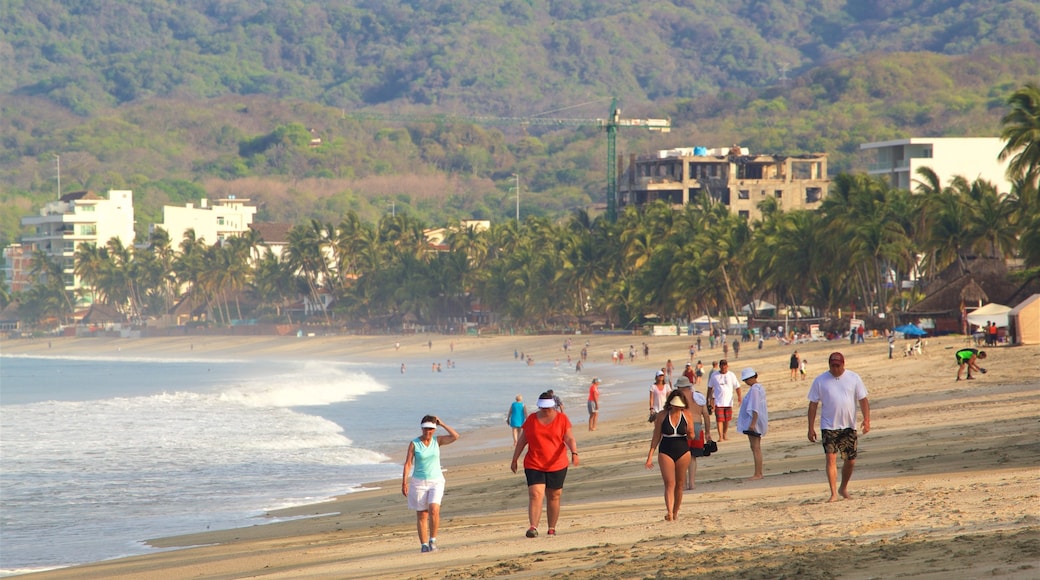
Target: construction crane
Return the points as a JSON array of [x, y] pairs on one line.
[[610, 124]]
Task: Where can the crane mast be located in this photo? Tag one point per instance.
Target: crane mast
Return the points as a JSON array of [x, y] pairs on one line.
[[610, 124]]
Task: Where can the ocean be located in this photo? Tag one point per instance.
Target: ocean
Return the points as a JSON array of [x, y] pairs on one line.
[[98, 455]]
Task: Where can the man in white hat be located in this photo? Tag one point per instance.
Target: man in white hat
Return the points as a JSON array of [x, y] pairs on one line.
[[753, 417]]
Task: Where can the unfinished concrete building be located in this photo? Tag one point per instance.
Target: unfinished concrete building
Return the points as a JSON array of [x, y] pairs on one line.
[[730, 176]]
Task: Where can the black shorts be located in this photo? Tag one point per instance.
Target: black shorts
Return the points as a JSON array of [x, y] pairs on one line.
[[550, 479], [840, 441]]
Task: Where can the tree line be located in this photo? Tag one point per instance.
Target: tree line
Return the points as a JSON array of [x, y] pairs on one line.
[[854, 250]]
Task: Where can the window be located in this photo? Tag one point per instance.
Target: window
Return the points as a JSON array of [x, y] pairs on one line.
[[813, 194], [744, 194], [220, 220], [744, 214], [778, 193], [86, 208], [88, 230]]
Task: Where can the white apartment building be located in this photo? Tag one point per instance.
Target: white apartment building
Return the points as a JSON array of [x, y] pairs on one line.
[[80, 217], [212, 223], [969, 157]]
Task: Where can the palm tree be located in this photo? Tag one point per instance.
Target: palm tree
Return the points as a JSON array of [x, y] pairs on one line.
[[307, 258], [47, 296], [1021, 132], [272, 283]]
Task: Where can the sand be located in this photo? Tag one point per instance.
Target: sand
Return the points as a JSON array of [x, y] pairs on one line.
[[946, 485]]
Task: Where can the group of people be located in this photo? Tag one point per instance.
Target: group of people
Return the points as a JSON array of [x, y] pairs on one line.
[[682, 432]]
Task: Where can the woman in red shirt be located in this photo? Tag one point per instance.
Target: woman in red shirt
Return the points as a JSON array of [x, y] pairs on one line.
[[547, 435]]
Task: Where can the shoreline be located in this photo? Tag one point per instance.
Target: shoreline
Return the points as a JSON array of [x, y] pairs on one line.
[[947, 466]]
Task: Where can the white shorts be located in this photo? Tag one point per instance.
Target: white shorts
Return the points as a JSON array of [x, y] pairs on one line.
[[423, 492]]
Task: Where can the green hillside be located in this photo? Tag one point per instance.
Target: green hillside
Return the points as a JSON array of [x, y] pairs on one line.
[[177, 100]]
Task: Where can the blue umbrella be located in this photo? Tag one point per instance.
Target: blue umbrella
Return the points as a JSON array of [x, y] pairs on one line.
[[911, 330]]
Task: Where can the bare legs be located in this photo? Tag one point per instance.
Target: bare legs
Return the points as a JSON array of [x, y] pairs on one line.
[[673, 473], [427, 522], [756, 452], [535, 494], [832, 476], [691, 474], [723, 429], [516, 435], [592, 420]]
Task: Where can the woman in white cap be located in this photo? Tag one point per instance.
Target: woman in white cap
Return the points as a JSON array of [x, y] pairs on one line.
[[753, 417], [673, 429], [425, 488], [548, 436]]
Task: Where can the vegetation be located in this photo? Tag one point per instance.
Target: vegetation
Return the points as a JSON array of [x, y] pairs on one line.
[[260, 99], [543, 273]]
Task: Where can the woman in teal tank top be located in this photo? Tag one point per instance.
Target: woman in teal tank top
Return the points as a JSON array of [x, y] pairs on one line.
[[423, 481]]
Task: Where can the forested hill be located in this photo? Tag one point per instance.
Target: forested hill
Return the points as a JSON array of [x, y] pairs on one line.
[[479, 56], [182, 99]]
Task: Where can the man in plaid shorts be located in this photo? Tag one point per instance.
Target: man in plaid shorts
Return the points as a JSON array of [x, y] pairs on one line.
[[834, 395]]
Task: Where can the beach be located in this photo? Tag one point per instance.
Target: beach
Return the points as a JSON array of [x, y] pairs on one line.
[[946, 484]]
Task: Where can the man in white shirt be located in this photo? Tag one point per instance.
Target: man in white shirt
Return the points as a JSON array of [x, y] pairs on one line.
[[835, 394], [721, 388]]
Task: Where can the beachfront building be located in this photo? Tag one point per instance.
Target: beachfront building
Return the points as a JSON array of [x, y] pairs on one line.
[[969, 157], [77, 218], [17, 265], [213, 223], [731, 176], [275, 237], [437, 237]]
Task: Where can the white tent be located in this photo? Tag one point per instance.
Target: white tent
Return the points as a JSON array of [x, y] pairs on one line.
[[760, 306], [705, 320], [992, 312]]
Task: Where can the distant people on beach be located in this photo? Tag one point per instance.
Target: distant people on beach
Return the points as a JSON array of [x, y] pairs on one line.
[[793, 365], [556, 398], [658, 394], [423, 479], [753, 417], [548, 436], [968, 358], [834, 395], [722, 387], [593, 404], [516, 415]]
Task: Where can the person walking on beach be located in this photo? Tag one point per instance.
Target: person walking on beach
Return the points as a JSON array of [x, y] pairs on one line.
[[721, 388], [794, 365], [835, 394], [593, 404], [697, 405], [423, 480], [516, 416], [548, 436], [968, 358], [658, 394], [753, 417], [673, 430]]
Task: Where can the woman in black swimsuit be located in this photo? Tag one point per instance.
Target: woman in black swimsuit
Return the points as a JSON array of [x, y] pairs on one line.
[[672, 430]]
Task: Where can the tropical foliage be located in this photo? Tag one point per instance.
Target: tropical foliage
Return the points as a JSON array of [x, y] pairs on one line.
[[541, 273]]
